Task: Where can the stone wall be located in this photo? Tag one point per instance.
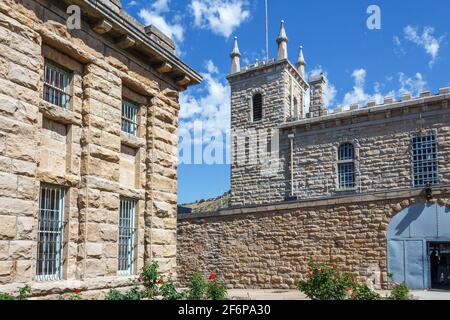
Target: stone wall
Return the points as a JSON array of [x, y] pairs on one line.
[[269, 247], [80, 148]]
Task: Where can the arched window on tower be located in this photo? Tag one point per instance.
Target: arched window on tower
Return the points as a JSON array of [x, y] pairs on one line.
[[257, 107], [295, 115], [346, 166]]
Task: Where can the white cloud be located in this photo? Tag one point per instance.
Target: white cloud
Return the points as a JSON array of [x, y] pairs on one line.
[[154, 17], [160, 6], [210, 105], [211, 67], [413, 85], [222, 17], [426, 40], [358, 94]]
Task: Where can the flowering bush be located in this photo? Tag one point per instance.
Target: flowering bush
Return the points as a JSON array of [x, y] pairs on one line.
[[197, 288], [326, 282], [400, 291], [216, 289], [149, 277]]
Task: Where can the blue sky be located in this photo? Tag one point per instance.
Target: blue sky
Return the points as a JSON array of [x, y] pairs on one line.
[[410, 52]]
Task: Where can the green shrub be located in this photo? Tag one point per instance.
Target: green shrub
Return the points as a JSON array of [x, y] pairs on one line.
[[328, 283], [6, 296], [168, 289], [399, 291], [135, 293], [24, 293], [197, 288], [216, 289]]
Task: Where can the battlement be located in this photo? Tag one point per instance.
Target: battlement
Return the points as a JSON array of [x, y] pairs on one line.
[[389, 103]]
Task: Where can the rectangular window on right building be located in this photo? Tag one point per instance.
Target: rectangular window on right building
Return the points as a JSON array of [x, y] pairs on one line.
[[424, 158]]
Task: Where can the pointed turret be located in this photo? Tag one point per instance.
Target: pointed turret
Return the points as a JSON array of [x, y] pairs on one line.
[[301, 63], [282, 41], [235, 57]]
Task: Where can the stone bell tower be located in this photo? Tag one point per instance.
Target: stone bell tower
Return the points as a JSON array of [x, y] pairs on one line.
[[264, 95]]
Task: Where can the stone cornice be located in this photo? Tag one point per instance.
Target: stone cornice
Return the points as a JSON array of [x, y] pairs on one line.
[[138, 39], [315, 203]]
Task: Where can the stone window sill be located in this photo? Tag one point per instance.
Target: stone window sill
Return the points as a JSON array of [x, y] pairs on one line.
[[132, 141], [59, 114]]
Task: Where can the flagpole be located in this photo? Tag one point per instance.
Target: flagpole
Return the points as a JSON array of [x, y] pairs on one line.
[[267, 32]]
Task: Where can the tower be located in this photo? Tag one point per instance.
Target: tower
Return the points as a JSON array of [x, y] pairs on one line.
[[264, 96], [318, 107]]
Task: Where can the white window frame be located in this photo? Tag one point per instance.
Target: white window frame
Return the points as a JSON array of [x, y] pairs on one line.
[[343, 162], [50, 233], [127, 235], [54, 92], [129, 114], [416, 164]]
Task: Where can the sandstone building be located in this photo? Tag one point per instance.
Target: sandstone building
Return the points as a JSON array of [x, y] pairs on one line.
[[88, 145], [366, 187]]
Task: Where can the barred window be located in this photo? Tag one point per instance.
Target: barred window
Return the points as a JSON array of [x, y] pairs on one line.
[[346, 166], [257, 107], [129, 117], [424, 158], [127, 232], [56, 85], [50, 233]]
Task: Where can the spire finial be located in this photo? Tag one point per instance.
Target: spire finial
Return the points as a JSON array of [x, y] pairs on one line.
[[282, 36], [235, 57], [282, 41], [301, 63]]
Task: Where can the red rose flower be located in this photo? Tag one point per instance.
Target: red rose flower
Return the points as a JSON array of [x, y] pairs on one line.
[[161, 280], [154, 254], [77, 291], [212, 276]]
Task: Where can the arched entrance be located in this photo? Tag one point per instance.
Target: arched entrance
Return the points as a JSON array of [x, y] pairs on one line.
[[418, 243]]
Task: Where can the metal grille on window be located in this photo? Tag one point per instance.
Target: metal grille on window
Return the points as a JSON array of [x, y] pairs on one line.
[[127, 231], [129, 117], [346, 166], [257, 107], [425, 164], [50, 233], [56, 85]]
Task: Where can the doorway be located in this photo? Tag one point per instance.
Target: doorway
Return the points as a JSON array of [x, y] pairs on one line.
[[439, 258]]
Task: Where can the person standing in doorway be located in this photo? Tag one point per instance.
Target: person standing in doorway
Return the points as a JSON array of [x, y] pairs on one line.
[[434, 262]]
